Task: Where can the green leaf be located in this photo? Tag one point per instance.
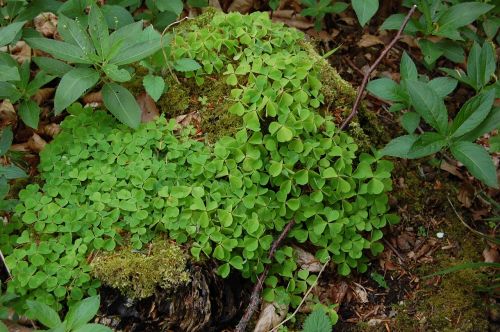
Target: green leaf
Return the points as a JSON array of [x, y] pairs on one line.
[[251, 121], [29, 112], [52, 66], [363, 171], [72, 86], [481, 65], [116, 74], [395, 21], [122, 104], [365, 9], [284, 134], [443, 86], [6, 140], [61, 50], [275, 168], [410, 121], [429, 105], [174, 6], [82, 312], [40, 80], [154, 85], [460, 15], [491, 122], [12, 172], [427, 144], [477, 160], [136, 52], [472, 113], [387, 89], [98, 30], [317, 321], [408, 70], [93, 328], [3, 327], [186, 64], [43, 313], [72, 32], [9, 73], [224, 270], [399, 146], [432, 51], [116, 16], [9, 32]]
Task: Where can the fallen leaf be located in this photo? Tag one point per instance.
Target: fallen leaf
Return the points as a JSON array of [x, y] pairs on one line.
[[149, 111], [306, 260], [36, 143], [242, 6], [491, 255], [43, 95], [46, 24], [368, 40], [21, 51], [93, 98], [271, 315], [51, 129], [361, 293], [289, 18], [8, 116]]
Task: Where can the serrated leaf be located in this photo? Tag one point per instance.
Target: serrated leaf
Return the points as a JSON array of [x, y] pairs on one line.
[[429, 105], [122, 104], [365, 9], [477, 160], [154, 85], [72, 86]]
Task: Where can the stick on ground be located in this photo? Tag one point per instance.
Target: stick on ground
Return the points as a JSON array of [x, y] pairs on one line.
[[366, 77]]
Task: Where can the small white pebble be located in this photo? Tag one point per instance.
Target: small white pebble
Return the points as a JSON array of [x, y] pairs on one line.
[[440, 235]]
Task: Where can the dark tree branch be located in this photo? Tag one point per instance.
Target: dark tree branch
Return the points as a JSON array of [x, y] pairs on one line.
[[255, 297], [366, 77]]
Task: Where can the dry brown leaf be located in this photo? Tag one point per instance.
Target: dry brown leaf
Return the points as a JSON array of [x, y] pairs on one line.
[[242, 6], [43, 95], [51, 129], [289, 18], [193, 119], [93, 98], [368, 40], [361, 293], [46, 24], [306, 260], [271, 314], [215, 4], [8, 116], [338, 293], [36, 143], [464, 196], [452, 169], [491, 255], [149, 111], [21, 51]]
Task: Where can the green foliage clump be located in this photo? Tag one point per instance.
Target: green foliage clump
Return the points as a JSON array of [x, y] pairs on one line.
[[137, 274], [106, 185]]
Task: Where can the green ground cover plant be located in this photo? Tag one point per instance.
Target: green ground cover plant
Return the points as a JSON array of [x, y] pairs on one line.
[[104, 185]]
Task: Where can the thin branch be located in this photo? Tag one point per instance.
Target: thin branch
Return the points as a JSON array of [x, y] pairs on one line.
[[304, 298], [255, 297], [164, 53], [366, 77]]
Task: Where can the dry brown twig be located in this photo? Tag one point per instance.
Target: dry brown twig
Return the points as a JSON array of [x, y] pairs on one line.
[[366, 77]]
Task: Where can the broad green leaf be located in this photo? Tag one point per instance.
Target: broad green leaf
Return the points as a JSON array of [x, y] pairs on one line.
[[39, 81], [460, 15], [399, 146], [491, 122], [410, 121], [477, 160], [472, 113], [407, 68], [426, 144], [136, 52], [224, 270], [82, 312], [9, 91], [186, 65], [116, 74], [131, 31], [363, 171], [73, 33], [154, 85], [251, 121], [6, 140], [275, 168], [395, 21], [9, 32], [61, 50], [29, 112], [52, 66], [365, 9], [3, 327], [98, 30], [284, 134], [43, 313], [117, 16], [429, 105], [431, 51], [72, 86], [387, 89], [9, 73], [443, 86], [174, 6], [122, 104], [481, 65], [12, 172]]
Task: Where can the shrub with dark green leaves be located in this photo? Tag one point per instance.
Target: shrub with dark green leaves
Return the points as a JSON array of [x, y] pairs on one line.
[[105, 185]]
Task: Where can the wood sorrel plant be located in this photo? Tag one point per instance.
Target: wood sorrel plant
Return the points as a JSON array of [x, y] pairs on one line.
[[105, 185]]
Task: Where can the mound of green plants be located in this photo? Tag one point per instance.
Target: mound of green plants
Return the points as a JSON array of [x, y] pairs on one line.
[[104, 185]]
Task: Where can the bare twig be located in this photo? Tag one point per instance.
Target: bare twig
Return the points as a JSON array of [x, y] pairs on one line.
[[255, 297], [163, 47], [366, 77], [304, 298]]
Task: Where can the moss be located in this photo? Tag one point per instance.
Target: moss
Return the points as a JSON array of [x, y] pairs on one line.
[[137, 274]]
